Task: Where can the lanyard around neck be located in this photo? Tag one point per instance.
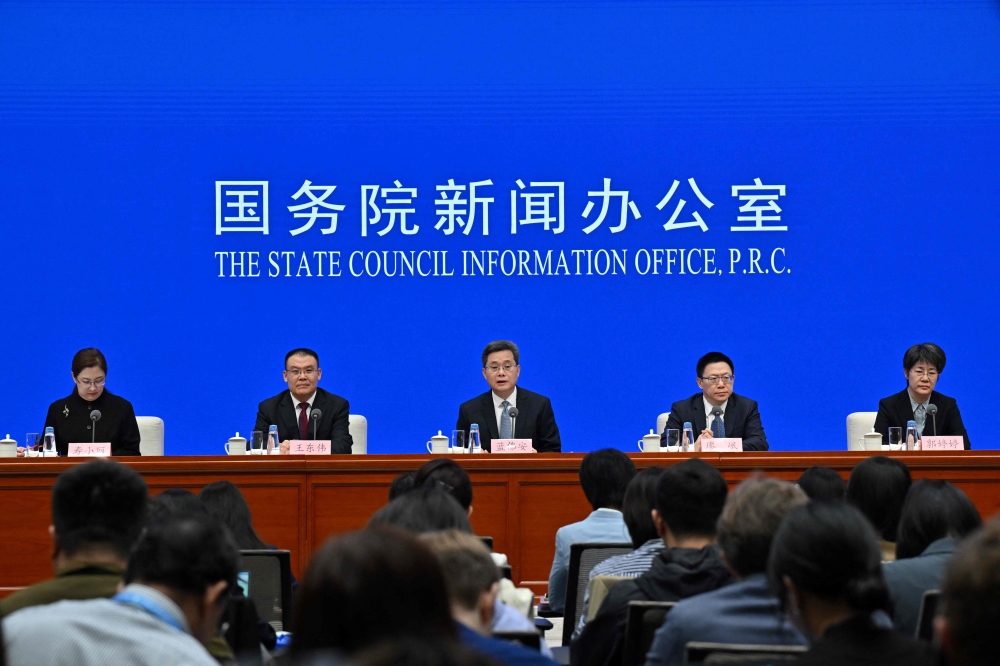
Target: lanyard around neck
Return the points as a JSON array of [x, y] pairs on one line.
[[150, 606]]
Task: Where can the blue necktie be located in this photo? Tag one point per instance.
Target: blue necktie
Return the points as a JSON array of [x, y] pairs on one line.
[[920, 416], [718, 428], [505, 429]]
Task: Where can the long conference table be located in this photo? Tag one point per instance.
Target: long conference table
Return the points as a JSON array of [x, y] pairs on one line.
[[297, 502]]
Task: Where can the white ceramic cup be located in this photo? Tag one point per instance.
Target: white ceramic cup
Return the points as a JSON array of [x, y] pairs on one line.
[[873, 441], [236, 446], [8, 448], [439, 443], [650, 443]]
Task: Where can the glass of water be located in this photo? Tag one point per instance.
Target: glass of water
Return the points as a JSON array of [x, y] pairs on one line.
[[256, 442], [673, 439], [457, 441], [31, 444], [895, 438]]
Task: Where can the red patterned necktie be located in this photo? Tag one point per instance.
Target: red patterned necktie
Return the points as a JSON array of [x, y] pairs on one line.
[[303, 419]]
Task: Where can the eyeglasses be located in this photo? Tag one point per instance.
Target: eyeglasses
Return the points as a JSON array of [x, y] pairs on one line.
[[715, 379], [96, 382], [494, 368], [929, 375], [308, 372]]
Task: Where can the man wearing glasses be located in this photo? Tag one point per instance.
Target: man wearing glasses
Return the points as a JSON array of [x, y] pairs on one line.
[[535, 419], [739, 417], [290, 410], [922, 366]]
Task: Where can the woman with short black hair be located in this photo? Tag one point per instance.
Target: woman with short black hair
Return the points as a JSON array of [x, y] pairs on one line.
[[877, 487]]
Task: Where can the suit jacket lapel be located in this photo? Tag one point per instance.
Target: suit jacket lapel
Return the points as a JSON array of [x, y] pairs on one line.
[[730, 418], [488, 420], [698, 405], [286, 411], [323, 404]]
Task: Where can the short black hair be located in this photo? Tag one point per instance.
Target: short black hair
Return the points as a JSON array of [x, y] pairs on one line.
[[604, 475], [100, 503], [928, 352], [364, 588], [424, 651], [689, 498], [878, 487], [638, 506], [302, 351], [823, 484], [830, 550], [934, 509], [171, 503], [187, 553], [714, 357], [449, 476], [224, 501], [970, 597], [424, 509], [502, 345], [401, 484], [89, 358]]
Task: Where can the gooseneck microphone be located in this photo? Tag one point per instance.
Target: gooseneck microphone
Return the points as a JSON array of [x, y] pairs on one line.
[[315, 415], [95, 416], [932, 410], [512, 413]]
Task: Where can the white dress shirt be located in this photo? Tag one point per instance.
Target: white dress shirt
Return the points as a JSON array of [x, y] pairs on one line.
[[498, 407], [708, 411], [298, 410]]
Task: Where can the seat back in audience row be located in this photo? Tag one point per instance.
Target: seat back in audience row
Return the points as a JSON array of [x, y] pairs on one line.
[[583, 557], [642, 619]]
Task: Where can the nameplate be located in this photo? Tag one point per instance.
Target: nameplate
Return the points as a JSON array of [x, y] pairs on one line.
[[721, 444], [98, 450], [310, 447], [950, 443], [510, 445]]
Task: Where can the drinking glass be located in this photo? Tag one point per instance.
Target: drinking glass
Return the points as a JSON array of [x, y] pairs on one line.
[[457, 441], [31, 443], [673, 439], [895, 438], [256, 442]]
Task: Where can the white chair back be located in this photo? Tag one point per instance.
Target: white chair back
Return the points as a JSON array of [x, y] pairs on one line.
[[859, 423], [358, 427], [661, 422], [150, 435]]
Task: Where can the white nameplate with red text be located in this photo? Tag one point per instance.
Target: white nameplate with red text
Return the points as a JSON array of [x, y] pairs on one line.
[[951, 443], [721, 444], [310, 447], [98, 450], [510, 445]]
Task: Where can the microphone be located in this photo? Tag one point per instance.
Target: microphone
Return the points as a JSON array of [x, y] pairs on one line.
[[315, 415], [512, 413], [716, 412], [932, 410], [95, 416]]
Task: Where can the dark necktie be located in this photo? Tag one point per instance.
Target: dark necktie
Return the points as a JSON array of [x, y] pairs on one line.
[[303, 419], [718, 428]]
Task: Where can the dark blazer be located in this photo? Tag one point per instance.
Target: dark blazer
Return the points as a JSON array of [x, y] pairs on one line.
[[742, 420], [280, 411], [70, 419], [895, 411], [859, 642], [535, 420]]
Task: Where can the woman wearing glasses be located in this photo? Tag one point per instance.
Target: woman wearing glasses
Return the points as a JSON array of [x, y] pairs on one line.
[[934, 413], [71, 417]]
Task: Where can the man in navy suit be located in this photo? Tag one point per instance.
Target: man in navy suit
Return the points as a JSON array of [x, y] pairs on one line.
[[535, 419], [739, 415], [291, 410]]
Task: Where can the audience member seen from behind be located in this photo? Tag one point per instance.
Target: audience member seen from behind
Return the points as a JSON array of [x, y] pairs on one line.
[[688, 500], [177, 584], [425, 509], [826, 569], [226, 503], [365, 588], [637, 512], [447, 475], [604, 475], [823, 484], [416, 652], [401, 484], [966, 625], [878, 487], [922, 367], [746, 611], [98, 510], [472, 582], [936, 515]]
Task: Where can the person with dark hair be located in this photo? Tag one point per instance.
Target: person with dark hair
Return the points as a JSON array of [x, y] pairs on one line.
[[401, 484], [176, 588], [423, 509], [292, 410], [746, 611], [823, 484], [935, 517], [171, 503], [825, 570], [688, 499], [419, 652], [98, 510], [966, 625], [449, 476], [739, 416], [365, 588], [878, 486], [92, 413], [604, 475], [922, 367], [472, 581], [226, 503], [491, 411]]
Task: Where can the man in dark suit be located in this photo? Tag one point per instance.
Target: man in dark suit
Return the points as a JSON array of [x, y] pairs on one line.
[[740, 417], [290, 410], [922, 366], [535, 419]]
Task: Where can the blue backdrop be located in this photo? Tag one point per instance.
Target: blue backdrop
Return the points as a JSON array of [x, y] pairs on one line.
[[873, 126]]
